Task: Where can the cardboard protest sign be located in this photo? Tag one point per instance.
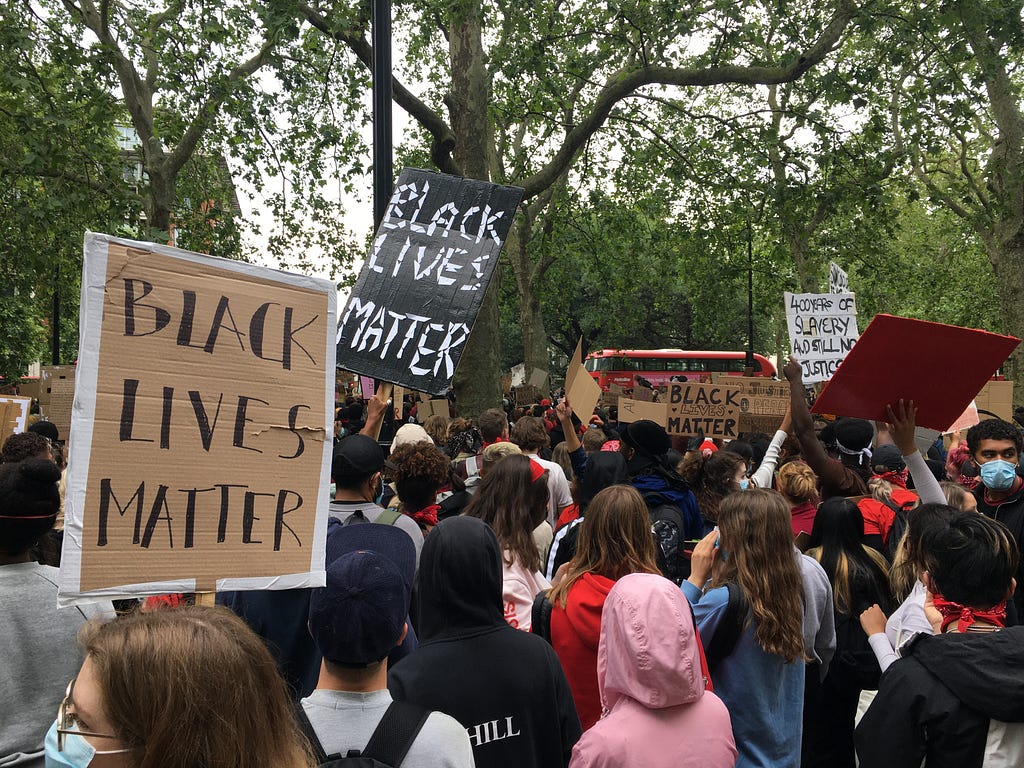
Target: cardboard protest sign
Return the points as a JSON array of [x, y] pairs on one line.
[[200, 448], [838, 280], [419, 292], [966, 420], [822, 330], [13, 416], [428, 408], [713, 409], [526, 395], [637, 410], [898, 357], [537, 378], [518, 375], [996, 397], [763, 402], [580, 387]]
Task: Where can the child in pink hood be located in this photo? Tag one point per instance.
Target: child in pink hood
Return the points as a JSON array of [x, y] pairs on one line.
[[657, 713]]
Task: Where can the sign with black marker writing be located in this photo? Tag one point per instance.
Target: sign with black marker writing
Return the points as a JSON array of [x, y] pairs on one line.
[[200, 448], [822, 329], [419, 292], [838, 280], [713, 409]]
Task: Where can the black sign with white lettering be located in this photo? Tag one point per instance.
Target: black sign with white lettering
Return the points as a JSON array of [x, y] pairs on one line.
[[420, 290]]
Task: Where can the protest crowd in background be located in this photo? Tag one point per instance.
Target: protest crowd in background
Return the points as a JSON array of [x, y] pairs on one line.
[[531, 589]]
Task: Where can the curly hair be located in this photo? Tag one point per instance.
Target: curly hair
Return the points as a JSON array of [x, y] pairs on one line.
[[23, 446], [992, 429], [530, 435], [513, 505], [420, 469], [756, 533], [711, 479]]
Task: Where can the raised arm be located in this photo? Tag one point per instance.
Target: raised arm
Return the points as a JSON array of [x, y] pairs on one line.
[[902, 422]]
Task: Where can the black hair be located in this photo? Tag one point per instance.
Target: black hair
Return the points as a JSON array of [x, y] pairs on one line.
[[858, 574], [24, 445], [45, 428], [971, 559], [992, 429], [29, 503], [741, 448]]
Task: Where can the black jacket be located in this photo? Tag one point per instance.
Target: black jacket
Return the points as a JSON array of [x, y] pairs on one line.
[[947, 702], [505, 686], [1009, 512]]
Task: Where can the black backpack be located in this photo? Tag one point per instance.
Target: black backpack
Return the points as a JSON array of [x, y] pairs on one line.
[[669, 529], [540, 616], [899, 527], [388, 745]]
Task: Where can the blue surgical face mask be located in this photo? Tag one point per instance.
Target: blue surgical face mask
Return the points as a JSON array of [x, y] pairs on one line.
[[744, 484], [998, 475], [78, 752]]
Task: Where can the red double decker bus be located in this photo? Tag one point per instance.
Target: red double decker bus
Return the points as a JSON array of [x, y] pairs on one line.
[[659, 366]]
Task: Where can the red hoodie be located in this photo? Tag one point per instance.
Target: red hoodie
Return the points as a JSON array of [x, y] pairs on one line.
[[575, 632]]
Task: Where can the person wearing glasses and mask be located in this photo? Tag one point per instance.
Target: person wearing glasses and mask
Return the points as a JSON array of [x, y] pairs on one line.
[[190, 686], [37, 640]]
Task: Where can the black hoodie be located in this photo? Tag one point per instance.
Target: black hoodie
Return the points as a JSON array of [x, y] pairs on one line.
[[505, 686], [952, 700]]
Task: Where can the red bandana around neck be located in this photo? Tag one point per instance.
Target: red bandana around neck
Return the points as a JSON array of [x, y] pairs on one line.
[[964, 615], [427, 515]]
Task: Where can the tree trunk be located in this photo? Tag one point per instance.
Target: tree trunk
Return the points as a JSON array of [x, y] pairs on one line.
[[160, 203], [477, 381], [535, 348], [1008, 265]]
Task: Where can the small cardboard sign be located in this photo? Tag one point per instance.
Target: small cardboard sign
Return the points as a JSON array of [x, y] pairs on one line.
[[763, 402], [643, 394], [428, 408], [537, 378], [200, 448], [526, 395], [713, 409], [417, 297], [901, 358], [13, 416], [581, 389], [822, 330], [996, 397], [366, 387], [637, 410], [518, 375]]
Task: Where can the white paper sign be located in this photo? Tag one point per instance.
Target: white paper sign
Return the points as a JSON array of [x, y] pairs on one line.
[[838, 280], [822, 329]]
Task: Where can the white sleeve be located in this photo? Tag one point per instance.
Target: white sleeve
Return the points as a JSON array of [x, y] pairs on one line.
[[883, 651], [763, 476], [925, 484]]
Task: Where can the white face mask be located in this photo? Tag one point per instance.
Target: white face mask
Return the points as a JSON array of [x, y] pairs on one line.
[[77, 753]]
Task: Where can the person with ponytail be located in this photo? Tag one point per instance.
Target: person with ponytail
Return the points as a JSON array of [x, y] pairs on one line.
[[799, 486], [745, 579]]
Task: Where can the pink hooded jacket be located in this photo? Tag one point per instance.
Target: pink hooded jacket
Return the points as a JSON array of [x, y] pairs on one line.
[[657, 713]]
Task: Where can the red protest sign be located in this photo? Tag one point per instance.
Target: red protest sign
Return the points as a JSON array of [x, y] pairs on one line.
[[940, 367]]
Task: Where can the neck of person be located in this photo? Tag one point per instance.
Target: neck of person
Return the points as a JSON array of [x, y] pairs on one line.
[[991, 495], [334, 677], [362, 494]]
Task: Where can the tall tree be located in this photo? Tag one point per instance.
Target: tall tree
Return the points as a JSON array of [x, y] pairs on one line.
[[526, 88]]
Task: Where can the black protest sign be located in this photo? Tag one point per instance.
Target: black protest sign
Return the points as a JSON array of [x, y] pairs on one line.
[[413, 307]]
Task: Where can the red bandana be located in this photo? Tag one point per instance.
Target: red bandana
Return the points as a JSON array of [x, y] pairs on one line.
[[898, 478], [427, 515], [536, 470], [965, 615]]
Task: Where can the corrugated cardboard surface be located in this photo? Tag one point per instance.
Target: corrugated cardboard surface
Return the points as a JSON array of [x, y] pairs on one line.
[[202, 449], [996, 397]]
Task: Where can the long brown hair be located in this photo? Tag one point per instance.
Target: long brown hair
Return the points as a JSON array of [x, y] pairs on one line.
[[757, 538], [712, 479], [194, 686], [615, 539], [513, 505]]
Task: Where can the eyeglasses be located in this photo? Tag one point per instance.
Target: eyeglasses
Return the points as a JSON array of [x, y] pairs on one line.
[[66, 719]]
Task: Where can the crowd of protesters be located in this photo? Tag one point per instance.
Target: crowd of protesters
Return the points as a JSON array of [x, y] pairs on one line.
[[531, 589]]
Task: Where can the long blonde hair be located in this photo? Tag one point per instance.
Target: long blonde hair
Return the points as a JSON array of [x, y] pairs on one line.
[[194, 686], [615, 539], [757, 537]]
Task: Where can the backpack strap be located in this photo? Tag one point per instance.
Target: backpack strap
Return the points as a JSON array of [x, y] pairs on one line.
[[540, 616], [307, 730], [395, 733], [729, 628], [388, 516]]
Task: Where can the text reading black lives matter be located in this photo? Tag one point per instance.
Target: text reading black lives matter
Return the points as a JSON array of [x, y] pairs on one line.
[[173, 317], [420, 290]]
